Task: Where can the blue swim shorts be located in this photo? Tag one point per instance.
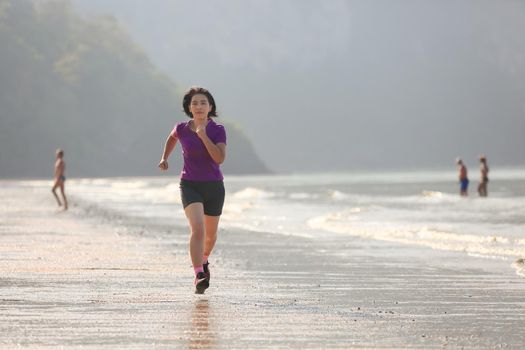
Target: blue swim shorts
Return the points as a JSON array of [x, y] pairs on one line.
[[464, 185]]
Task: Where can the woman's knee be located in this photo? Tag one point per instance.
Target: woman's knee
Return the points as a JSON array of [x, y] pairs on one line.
[[211, 237], [197, 230]]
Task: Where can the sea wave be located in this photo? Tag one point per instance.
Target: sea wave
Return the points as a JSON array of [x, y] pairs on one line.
[[338, 195], [348, 223], [302, 195], [253, 193]]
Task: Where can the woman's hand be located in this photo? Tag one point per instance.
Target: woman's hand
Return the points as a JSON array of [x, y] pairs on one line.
[[163, 165], [201, 131]]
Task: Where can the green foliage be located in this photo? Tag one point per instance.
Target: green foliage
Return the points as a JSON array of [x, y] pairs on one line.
[[86, 87]]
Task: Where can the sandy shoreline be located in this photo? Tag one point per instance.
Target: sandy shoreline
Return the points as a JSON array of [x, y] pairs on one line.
[[68, 281]]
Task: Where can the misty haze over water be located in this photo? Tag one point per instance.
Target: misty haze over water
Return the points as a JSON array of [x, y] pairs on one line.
[[302, 86], [340, 85]]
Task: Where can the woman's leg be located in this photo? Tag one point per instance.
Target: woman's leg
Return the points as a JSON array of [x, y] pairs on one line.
[[195, 214], [211, 224]]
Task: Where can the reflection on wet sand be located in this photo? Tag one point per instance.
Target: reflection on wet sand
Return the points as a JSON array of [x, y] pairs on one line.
[[200, 335]]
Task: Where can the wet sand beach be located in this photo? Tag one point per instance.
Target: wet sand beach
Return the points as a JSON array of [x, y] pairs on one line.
[[76, 280]]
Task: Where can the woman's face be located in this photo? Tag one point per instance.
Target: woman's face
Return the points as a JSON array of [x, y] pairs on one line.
[[200, 107]]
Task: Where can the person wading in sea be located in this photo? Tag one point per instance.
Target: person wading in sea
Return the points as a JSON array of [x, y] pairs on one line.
[[484, 180], [463, 179]]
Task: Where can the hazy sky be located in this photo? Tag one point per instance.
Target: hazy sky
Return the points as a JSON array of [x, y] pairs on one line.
[[333, 85]]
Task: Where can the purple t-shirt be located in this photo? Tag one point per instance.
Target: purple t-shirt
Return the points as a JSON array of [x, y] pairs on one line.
[[198, 164]]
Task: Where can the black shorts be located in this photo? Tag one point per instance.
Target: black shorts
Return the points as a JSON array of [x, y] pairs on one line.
[[209, 193]]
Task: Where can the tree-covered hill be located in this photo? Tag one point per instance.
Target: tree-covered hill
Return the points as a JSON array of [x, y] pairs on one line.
[[83, 85]]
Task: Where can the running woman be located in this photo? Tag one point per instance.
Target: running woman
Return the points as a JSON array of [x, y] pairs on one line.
[[201, 182]]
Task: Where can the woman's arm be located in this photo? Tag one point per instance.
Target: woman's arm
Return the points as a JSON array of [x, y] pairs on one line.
[[216, 151], [170, 144]]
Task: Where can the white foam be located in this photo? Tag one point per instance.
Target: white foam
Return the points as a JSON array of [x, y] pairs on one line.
[[233, 210], [173, 187], [302, 195], [129, 184], [252, 193], [349, 223], [436, 194], [338, 195]]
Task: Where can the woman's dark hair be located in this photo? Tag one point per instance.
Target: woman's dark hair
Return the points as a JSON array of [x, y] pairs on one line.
[[186, 100]]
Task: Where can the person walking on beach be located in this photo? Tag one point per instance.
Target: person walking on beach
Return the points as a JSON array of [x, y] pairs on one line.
[[484, 170], [201, 182], [60, 178], [463, 179]]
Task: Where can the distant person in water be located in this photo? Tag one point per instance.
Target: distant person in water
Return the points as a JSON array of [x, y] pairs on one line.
[[463, 179], [60, 178], [484, 170], [201, 182]]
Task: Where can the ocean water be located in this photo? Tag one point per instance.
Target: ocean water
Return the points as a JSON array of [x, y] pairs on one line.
[[418, 209]]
